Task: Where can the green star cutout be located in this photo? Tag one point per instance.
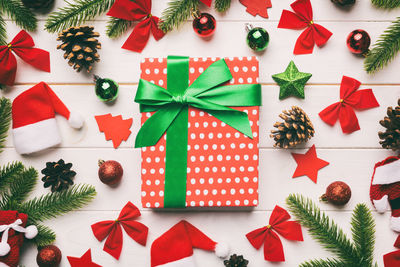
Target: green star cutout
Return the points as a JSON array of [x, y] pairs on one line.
[[292, 81]]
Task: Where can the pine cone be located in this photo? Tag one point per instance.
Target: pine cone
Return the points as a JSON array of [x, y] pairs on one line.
[[58, 175], [38, 4], [80, 45], [343, 2], [391, 137], [236, 261], [295, 129]]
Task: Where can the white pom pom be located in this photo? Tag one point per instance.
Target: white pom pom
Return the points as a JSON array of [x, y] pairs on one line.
[[222, 250], [75, 120], [4, 249], [31, 232]]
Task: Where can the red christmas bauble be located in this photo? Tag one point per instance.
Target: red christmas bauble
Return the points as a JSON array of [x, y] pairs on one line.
[[110, 172], [49, 256], [204, 25], [337, 193], [358, 42]]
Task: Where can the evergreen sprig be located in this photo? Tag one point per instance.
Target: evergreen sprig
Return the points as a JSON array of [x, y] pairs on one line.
[[116, 27], [222, 5], [386, 3], [45, 236], [8, 173], [20, 14], [76, 13], [3, 32], [358, 253], [177, 12], [385, 49], [5, 120]]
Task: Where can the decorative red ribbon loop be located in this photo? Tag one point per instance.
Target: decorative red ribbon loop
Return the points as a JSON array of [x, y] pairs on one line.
[[23, 46], [301, 18], [140, 10], [206, 2], [136, 230], [278, 222], [392, 259], [350, 99]]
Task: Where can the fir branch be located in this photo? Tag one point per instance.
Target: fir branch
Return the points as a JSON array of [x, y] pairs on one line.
[[222, 5], [45, 237], [116, 27], [325, 231], [8, 174], [176, 13], [54, 204], [363, 231], [323, 263], [76, 14], [386, 3], [385, 49], [3, 32], [21, 15], [5, 120]]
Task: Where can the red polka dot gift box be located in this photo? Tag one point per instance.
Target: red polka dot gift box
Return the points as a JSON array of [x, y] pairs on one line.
[[199, 134]]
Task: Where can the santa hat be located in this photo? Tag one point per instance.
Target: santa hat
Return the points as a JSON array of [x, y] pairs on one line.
[[387, 171], [34, 124], [175, 247]]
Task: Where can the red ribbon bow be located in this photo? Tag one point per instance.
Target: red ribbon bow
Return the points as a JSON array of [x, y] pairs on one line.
[[206, 2], [350, 99], [392, 259], [140, 10], [273, 249], [136, 230], [303, 18], [23, 46]]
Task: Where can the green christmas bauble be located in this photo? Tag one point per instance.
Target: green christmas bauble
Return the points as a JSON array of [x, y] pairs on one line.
[[106, 89], [257, 38]]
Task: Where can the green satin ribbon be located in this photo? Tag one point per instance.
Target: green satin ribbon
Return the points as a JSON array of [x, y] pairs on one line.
[[206, 93]]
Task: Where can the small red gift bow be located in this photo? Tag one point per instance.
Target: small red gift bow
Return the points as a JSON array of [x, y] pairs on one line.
[[302, 18], [23, 46], [350, 98], [206, 2], [392, 259], [273, 249], [139, 10], [136, 230]]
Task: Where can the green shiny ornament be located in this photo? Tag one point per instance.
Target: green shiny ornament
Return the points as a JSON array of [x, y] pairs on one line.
[[257, 38], [291, 82], [106, 89]]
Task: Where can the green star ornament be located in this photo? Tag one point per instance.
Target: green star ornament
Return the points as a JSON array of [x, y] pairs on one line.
[[291, 82]]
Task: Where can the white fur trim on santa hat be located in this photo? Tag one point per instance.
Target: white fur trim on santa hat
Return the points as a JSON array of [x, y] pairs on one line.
[[37, 136], [185, 262], [75, 120], [222, 250], [387, 174], [382, 204], [395, 223]]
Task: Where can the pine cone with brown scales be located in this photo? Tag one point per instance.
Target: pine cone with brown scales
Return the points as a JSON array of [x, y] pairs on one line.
[[343, 2], [295, 129], [236, 261], [391, 137], [80, 45]]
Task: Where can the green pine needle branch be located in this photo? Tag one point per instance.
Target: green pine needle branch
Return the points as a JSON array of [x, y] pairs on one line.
[[45, 236], [8, 174], [21, 15], [385, 49], [76, 13], [5, 120], [116, 27], [386, 3], [176, 13], [358, 253], [222, 5], [3, 32]]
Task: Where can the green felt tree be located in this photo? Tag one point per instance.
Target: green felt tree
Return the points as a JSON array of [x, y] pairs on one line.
[[18, 181], [386, 3], [355, 253]]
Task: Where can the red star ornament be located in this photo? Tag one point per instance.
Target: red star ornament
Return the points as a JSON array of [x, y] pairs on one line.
[[84, 261], [308, 164]]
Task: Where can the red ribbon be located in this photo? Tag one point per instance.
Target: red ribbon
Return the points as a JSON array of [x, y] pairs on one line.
[[23, 46], [303, 18], [136, 230], [278, 222], [140, 10], [350, 98], [206, 2], [392, 259]]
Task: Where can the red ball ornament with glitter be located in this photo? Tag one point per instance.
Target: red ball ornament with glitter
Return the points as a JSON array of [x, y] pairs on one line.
[[110, 172], [49, 256], [204, 24], [358, 42]]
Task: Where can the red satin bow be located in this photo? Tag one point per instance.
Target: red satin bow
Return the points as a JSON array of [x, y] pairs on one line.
[[140, 10], [278, 222], [136, 230], [303, 18], [23, 46], [350, 99], [392, 259], [206, 2]]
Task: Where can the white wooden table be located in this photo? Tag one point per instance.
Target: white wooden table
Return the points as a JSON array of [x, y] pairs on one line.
[[351, 157]]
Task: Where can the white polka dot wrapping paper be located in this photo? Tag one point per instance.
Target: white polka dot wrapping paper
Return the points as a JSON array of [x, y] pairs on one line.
[[222, 163]]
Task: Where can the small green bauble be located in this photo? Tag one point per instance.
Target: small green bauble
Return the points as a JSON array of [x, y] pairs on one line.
[[257, 38], [106, 89]]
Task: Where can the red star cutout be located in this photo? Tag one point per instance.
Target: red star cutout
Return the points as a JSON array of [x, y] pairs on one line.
[[84, 261], [308, 164]]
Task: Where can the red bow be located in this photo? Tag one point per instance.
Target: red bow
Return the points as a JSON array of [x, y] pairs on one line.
[[23, 46], [303, 18], [273, 249], [140, 10], [136, 230], [206, 2], [350, 99], [392, 259]]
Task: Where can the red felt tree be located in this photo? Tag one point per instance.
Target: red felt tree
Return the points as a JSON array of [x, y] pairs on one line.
[[257, 7], [114, 128]]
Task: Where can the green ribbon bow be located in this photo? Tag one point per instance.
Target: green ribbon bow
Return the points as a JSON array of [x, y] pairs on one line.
[[171, 106]]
